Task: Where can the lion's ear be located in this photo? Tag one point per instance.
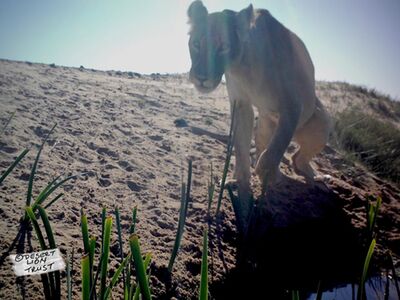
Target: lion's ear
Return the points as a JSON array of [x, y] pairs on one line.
[[243, 20], [197, 12], [247, 14]]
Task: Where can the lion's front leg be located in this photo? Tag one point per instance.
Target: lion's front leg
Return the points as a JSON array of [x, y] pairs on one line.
[[267, 167], [243, 128]]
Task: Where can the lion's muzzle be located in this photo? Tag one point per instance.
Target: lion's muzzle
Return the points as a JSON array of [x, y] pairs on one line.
[[204, 85]]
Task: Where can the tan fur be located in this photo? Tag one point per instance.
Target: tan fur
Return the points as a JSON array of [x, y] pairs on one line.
[[267, 67]]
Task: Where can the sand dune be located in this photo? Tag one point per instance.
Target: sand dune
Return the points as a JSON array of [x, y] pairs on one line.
[[131, 136]]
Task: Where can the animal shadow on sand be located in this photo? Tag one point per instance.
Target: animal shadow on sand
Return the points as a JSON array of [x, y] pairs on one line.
[[298, 236]]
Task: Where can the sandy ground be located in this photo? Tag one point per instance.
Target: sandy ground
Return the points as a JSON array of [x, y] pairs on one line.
[[124, 131]]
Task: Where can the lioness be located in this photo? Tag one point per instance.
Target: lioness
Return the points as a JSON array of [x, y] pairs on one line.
[[266, 66]]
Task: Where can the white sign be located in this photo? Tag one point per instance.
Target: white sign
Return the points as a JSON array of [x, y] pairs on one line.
[[36, 263]]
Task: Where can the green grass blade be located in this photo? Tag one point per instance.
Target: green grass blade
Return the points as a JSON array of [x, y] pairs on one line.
[[127, 284], [369, 211], [105, 255], [46, 286], [35, 225], [45, 277], [133, 225], [92, 248], [188, 186], [229, 150], [132, 291], [52, 243], [119, 231], [54, 200], [365, 270], [93, 287], [375, 213], [319, 291], [69, 280], [295, 295], [85, 277], [55, 186], [396, 283], [13, 165], [40, 200], [116, 276], [72, 265], [179, 231], [238, 209], [47, 188], [185, 196], [34, 167], [139, 267], [103, 221], [96, 277], [7, 122], [146, 265], [85, 232], [204, 269], [210, 190], [47, 226], [89, 244], [224, 176]]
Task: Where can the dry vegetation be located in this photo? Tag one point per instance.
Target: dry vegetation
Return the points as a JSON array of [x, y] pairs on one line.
[[366, 126]]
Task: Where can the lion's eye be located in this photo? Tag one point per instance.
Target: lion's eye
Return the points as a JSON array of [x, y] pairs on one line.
[[225, 48]]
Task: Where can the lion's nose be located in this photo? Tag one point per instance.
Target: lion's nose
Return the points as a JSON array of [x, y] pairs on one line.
[[201, 78], [208, 84]]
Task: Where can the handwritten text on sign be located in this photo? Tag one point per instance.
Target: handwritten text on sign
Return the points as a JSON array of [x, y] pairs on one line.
[[36, 263]]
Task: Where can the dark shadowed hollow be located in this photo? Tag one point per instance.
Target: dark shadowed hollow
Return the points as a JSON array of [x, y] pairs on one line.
[[293, 243]]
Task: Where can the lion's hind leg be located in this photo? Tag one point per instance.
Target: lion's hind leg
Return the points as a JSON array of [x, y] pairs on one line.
[[311, 138]]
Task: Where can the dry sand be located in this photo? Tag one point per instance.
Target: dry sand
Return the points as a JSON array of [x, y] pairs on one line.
[[124, 132]]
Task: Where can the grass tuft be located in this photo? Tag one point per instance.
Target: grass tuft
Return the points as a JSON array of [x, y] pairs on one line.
[[105, 254], [372, 213], [13, 165], [210, 190], [204, 269], [134, 214], [229, 150], [374, 143], [140, 268], [85, 266], [364, 275], [185, 196], [34, 167]]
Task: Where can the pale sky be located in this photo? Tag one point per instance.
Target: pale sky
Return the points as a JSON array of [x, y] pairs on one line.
[[357, 41]]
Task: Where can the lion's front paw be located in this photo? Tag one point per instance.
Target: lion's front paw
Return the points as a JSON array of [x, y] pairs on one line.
[[267, 170], [269, 177]]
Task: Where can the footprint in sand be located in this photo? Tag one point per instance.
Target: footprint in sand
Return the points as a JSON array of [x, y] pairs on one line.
[[104, 182], [126, 166], [156, 137], [39, 131], [24, 177], [108, 152], [134, 187], [7, 149], [110, 167]]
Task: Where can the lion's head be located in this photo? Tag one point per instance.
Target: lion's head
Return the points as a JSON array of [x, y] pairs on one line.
[[213, 44]]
